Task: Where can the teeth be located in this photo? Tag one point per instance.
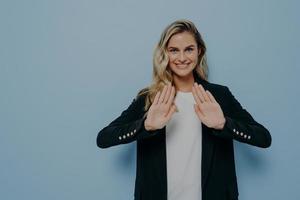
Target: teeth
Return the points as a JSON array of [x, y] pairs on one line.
[[182, 66]]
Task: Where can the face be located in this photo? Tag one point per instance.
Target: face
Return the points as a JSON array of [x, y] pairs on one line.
[[183, 54]]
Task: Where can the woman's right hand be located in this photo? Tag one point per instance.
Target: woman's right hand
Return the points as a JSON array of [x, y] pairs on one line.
[[162, 109]]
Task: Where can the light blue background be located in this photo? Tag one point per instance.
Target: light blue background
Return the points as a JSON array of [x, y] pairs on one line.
[[68, 68]]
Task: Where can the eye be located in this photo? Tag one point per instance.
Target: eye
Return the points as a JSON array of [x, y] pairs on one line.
[[190, 49], [173, 50]]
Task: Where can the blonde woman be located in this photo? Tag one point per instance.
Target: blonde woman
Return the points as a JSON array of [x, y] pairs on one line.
[[184, 125]]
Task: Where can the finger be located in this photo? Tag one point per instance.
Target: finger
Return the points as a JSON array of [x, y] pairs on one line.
[[169, 87], [162, 96], [171, 97], [198, 112], [206, 98], [196, 97], [211, 97], [171, 112], [198, 92], [155, 101]]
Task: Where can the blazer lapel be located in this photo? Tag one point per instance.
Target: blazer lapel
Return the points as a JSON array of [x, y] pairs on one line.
[[207, 143]]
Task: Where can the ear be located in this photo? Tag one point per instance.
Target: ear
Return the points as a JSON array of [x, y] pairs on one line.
[[199, 51]]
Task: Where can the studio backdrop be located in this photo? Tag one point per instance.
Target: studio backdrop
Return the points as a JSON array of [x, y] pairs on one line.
[[68, 68]]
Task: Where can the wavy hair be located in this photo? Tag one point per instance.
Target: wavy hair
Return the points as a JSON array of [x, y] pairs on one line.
[[162, 75]]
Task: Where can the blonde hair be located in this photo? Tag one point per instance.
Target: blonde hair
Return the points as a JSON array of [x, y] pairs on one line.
[[162, 75]]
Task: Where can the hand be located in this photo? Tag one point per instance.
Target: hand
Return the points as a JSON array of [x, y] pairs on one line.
[[207, 108], [162, 109]]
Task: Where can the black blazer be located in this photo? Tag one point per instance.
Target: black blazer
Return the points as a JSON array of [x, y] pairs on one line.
[[218, 166]]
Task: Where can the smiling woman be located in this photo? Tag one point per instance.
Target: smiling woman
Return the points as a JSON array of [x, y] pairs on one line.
[[184, 125], [183, 55]]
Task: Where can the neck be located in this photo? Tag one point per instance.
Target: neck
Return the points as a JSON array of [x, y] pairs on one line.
[[184, 84]]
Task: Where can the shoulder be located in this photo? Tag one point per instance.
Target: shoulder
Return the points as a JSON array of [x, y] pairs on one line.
[[140, 98], [142, 93], [213, 87], [221, 93]]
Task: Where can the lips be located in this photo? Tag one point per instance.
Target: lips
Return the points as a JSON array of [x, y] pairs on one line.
[[182, 66]]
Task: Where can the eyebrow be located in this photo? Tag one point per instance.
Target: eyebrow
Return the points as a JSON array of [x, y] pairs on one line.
[[185, 47]]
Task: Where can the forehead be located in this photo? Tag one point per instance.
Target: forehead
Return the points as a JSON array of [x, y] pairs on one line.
[[182, 40]]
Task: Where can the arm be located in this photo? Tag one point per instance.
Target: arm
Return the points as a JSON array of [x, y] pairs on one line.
[[126, 128], [241, 126]]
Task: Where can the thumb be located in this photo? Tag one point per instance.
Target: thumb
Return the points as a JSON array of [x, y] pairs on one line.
[[196, 108], [171, 112], [198, 111]]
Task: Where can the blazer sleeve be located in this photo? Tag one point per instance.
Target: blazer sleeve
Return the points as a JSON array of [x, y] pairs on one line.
[[241, 126], [126, 128]]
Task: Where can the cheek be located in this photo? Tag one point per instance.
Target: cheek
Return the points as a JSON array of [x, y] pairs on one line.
[[171, 58], [171, 63], [193, 57]]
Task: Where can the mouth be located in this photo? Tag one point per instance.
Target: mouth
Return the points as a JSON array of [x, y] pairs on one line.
[[181, 66]]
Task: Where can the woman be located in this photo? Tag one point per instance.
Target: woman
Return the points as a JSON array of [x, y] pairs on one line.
[[184, 126]]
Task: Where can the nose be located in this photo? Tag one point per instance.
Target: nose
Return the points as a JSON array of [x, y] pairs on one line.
[[182, 57]]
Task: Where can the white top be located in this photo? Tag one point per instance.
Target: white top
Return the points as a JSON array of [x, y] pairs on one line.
[[184, 146]]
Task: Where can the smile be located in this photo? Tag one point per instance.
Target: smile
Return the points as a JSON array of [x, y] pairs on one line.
[[182, 66]]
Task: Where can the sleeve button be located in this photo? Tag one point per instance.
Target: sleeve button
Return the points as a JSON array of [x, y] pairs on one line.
[[120, 138], [124, 136]]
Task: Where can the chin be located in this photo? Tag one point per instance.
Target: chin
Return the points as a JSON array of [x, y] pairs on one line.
[[183, 73]]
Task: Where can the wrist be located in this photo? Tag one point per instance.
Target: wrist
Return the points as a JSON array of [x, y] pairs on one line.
[[147, 127], [221, 125]]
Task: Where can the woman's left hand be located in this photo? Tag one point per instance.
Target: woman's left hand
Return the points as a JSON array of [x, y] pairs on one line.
[[207, 108]]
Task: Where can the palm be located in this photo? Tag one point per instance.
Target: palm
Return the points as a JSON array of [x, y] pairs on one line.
[[207, 109], [157, 115], [212, 114], [162, 108]]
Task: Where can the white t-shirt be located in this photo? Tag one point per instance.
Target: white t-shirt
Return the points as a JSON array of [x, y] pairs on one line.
[[184, 146]]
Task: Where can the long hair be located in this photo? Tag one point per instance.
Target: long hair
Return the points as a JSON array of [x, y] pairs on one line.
[[162, 75]]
